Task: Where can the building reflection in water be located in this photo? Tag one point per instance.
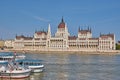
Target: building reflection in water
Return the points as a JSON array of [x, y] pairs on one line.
[[78, 67], [63, 67], [56, 67], [36, 76], [33, 76], [89, 67]]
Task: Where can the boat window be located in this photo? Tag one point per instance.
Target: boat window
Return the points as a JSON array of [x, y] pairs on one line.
[[1, 58], [21, 63], [26, 63], [20, 69], [30, 63]]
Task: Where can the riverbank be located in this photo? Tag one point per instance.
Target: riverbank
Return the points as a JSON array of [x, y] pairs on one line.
[[75, 52], [113, 52]]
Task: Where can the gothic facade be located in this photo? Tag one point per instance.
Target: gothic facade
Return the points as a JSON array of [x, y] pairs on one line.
[[63, 41]]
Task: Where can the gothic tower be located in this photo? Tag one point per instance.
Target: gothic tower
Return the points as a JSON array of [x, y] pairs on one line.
[[49, 32], [62, 30]]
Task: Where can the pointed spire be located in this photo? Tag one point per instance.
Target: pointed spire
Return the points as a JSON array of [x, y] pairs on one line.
[[66, 29], [88, 28], [49, 32], [79, 29], [62, 19], [49, 28]]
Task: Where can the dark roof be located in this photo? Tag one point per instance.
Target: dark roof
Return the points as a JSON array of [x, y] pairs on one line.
[[107, 35], [118, 41], [62, 24], [23, 37], [84, 31], [72, 37], [93, 38], [111, 35], [104, 36], [82, 38], [28, 38], [19, 37], [41, 32]]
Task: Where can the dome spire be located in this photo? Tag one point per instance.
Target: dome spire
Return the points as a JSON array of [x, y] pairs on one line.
[[62, 19], [62, 24]]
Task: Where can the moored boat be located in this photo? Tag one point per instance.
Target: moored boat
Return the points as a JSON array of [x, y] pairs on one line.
[[6, 57], [34, 65], [14, 71]]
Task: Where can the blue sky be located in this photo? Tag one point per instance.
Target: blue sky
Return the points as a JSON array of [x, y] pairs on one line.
[[27, 16]]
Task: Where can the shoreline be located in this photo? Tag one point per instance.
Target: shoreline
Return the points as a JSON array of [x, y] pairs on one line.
[[113, 52]]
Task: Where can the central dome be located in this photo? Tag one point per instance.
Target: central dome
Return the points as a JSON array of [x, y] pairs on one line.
[[62, 24]]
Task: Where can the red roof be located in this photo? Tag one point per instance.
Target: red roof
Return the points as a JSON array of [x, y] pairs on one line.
[[84, 31], [107, 35], [93, 38], [41, 32], [111, 35], [62, 24], [37, 38], [72, 37], [82, 38], [19, 37], [28, 38], [23, 37]]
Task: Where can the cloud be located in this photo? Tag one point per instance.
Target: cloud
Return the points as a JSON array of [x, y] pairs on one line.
[[34, 16], [41, 19]]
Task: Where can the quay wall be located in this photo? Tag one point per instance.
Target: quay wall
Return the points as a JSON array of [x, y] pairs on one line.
[[109, 52]]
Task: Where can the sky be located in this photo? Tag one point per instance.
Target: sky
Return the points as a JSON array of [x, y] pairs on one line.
[[24, 17]]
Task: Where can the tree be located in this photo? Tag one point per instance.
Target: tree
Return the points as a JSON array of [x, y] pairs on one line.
[[117, 47]]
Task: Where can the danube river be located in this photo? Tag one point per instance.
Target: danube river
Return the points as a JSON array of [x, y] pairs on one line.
[[77, 67]]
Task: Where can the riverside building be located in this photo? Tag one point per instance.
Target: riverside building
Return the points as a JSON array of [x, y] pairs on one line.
[[63, 41]]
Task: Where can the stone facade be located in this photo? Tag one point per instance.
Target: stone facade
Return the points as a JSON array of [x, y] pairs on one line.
[[9, 43], [62, 41]]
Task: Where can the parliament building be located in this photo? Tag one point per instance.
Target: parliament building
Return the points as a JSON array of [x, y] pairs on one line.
[[63, 41]]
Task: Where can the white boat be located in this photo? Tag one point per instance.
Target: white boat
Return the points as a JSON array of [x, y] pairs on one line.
[[34, 65], [6, 57], [14, 71]]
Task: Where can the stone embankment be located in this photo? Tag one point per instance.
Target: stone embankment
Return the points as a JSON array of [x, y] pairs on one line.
[[112, 52]]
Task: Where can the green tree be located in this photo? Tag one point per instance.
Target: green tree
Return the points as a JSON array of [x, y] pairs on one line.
[[117, 47]]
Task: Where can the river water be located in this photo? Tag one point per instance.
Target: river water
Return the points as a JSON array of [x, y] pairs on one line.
[[76, 67]]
